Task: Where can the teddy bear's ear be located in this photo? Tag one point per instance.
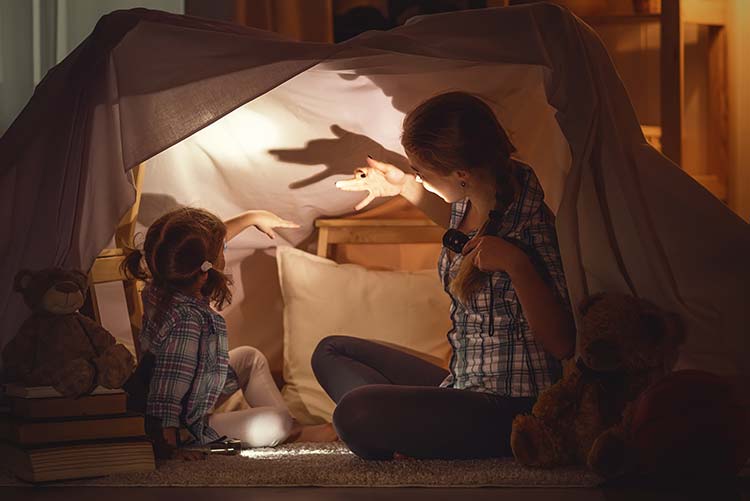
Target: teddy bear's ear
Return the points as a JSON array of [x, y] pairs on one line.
[[22, 281], [589, 302]]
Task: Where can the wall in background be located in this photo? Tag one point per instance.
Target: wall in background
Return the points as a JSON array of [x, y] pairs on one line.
[[37, 34], [634, 48], [739, 107], [635, 51], [16, 58], [81, 15]]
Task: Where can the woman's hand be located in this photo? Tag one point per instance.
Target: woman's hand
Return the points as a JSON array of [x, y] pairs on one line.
[[379, 179], [266, 221], [491, 254]]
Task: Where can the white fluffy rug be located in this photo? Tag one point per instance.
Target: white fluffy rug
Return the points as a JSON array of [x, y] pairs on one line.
[[333, 465]]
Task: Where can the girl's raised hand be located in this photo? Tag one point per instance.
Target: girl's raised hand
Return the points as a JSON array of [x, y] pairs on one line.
[[380, 179], [266, 221]]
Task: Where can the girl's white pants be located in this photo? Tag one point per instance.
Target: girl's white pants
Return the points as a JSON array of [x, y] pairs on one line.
[[267, 423]]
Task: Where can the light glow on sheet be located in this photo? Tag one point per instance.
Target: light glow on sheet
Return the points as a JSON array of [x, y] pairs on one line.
[[244, 130]]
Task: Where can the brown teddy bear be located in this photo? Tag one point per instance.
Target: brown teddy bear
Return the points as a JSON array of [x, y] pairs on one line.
[[625, 344], [57, 346]]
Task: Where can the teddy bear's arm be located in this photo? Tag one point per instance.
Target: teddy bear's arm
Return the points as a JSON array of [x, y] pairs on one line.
[[553, 401], [100, 337]]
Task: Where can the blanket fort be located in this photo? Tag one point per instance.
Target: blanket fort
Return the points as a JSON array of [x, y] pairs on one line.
[[150, 86]]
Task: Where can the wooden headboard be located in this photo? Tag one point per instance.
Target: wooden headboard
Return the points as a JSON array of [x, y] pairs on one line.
[[375, 231]]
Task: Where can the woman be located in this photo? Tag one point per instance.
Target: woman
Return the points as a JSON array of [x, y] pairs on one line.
[[510, 311]]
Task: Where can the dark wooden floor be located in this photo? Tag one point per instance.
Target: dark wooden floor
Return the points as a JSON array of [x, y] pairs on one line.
[[739, 492]]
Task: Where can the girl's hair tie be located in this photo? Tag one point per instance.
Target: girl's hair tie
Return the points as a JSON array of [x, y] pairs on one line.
[[206, 266]]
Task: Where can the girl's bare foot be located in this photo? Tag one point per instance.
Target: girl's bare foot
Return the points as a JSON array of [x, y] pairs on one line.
[[314, 433]]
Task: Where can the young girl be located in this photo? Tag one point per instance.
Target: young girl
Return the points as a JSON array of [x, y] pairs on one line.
[[510, 310], [193, 371]]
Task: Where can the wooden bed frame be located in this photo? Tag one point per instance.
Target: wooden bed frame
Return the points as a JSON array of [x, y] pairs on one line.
[[356, 230], [375, 231], [107, 266]]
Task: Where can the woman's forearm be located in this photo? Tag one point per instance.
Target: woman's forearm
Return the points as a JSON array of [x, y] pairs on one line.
[[552, 324], [432, 205]]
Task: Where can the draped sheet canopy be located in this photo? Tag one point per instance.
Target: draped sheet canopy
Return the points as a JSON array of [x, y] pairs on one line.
[[150, 86]]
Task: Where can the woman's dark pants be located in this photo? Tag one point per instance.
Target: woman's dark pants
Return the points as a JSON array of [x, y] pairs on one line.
[[390, 401]]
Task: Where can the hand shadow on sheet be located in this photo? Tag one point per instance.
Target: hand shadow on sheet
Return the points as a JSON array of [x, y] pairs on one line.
[[340, 155]]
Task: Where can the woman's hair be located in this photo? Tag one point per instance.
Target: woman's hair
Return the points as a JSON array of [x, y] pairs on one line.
[[459, 131], [176, 246]]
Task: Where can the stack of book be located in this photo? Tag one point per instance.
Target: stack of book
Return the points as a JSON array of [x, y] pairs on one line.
[[45, 436]]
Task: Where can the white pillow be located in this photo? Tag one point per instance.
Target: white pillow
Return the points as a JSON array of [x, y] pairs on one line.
[[323, 298]]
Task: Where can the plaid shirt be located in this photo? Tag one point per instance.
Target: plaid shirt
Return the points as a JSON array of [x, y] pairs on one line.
[[504, 358], [192, 362]]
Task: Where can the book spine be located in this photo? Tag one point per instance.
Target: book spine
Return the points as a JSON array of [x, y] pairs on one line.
[[79, 461], [48, 408], [29, 433]]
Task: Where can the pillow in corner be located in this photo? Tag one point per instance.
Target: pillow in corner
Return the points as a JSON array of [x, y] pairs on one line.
[[408, 310]]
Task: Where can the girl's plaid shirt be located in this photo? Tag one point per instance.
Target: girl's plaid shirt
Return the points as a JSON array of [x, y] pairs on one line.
[[494, 349], [192, 361]]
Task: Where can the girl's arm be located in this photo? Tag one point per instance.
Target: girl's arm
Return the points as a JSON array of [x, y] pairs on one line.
[[263, 220], [550, 320], [174, 369]]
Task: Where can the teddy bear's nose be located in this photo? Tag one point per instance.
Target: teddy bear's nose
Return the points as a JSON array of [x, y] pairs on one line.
[[66, 287]]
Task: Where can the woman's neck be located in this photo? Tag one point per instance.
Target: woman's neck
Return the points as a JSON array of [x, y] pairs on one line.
[[482, 196]]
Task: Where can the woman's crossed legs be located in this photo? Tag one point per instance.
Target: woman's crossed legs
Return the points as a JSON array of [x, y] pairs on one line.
[[389, 402]]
